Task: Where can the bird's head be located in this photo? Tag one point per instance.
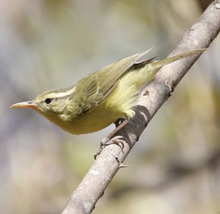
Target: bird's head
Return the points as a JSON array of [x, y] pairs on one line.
[[51, 104]]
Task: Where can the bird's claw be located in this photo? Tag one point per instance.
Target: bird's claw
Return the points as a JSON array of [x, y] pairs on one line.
[[118, 140]]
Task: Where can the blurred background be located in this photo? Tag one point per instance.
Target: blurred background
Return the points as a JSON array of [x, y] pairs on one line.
[[46, 44]]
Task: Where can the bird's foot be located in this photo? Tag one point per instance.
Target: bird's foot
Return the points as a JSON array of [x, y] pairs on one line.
[[118, 140]]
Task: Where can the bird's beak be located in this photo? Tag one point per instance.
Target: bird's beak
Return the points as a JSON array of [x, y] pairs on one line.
[[26, 104]]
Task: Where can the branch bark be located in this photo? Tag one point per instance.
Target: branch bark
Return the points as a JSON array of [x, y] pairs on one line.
[[93, 185]]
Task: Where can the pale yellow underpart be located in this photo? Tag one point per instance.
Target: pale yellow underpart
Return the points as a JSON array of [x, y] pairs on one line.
[[124, 96]]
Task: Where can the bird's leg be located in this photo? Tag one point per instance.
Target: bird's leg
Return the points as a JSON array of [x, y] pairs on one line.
[[111, 138], [119, 123]]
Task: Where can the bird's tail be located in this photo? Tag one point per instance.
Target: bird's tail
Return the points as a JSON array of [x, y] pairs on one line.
[[150, 69], [160, 63]]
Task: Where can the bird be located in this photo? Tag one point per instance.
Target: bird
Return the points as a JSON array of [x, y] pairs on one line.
[[102, 97]]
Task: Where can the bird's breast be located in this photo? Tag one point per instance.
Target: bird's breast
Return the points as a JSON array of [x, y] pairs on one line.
[[99, 118]]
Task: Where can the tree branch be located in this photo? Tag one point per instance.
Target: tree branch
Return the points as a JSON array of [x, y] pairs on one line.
[[153, 96]]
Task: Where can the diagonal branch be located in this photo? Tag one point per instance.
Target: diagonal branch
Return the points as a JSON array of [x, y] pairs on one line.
[[92, 187]]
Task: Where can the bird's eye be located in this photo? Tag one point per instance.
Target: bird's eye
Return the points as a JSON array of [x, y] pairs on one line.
[[48, 100]]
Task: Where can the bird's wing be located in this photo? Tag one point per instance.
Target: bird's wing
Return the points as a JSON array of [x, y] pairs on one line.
[[96, 87]]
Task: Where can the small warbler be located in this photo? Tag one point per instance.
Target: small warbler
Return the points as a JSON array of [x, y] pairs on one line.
[[102, 97]]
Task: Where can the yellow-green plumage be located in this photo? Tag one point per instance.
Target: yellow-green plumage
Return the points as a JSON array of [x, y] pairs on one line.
[[100, 98]]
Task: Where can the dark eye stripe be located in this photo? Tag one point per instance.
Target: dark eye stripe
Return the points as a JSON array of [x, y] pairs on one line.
[[48, 100]]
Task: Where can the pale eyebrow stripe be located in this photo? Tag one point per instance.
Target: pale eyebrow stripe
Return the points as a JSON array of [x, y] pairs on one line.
[[62, 94]]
